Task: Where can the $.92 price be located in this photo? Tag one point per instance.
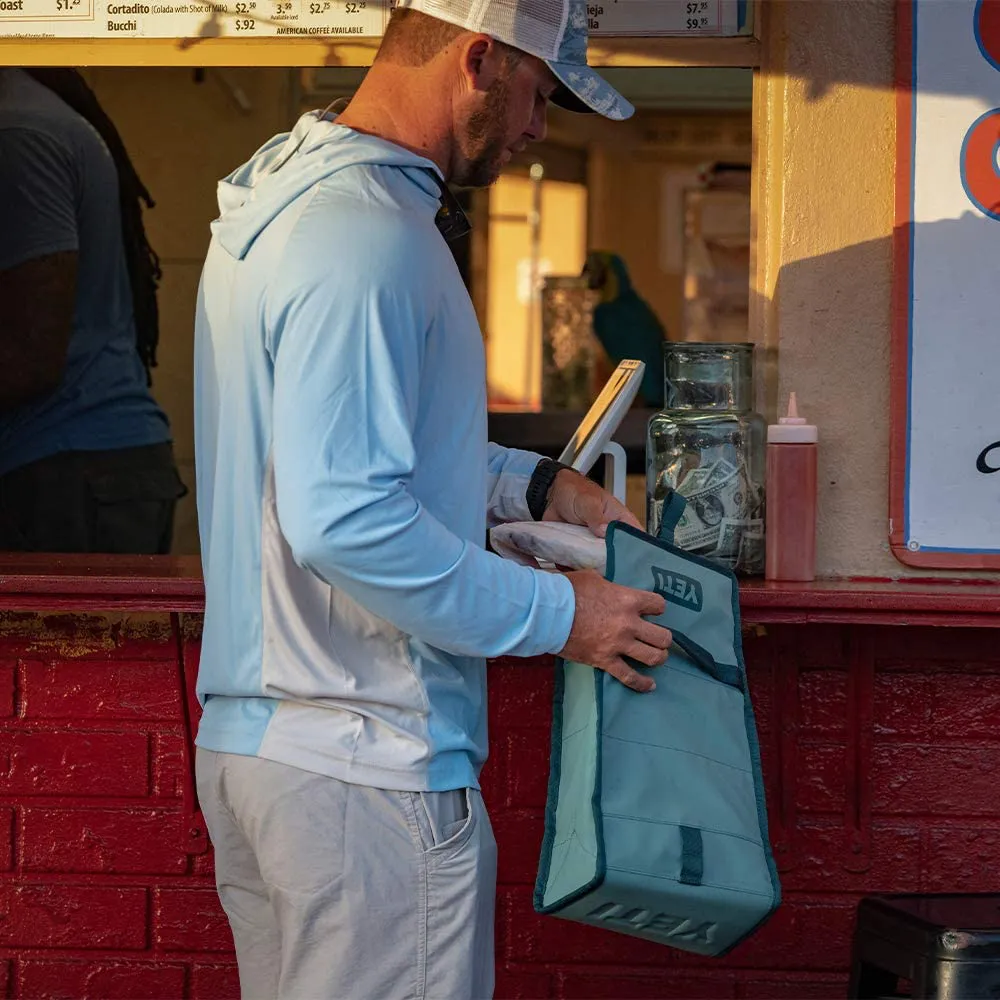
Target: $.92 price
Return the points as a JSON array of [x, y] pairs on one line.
[[246, 24]]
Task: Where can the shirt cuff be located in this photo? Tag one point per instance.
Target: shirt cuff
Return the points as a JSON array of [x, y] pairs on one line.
[[558, 599]]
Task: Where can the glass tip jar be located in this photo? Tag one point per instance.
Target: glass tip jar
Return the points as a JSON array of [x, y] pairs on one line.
[[709, 445]]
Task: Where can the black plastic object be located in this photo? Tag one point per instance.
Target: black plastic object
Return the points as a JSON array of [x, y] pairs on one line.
[[948, 947]]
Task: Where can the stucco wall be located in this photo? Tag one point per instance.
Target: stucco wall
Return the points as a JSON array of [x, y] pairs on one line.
[[826, 159]]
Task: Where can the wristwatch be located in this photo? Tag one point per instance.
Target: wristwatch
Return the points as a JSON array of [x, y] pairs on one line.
[[540, 486]]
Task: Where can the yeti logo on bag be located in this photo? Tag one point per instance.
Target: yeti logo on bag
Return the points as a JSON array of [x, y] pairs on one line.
[[639, 919], [677, 589]]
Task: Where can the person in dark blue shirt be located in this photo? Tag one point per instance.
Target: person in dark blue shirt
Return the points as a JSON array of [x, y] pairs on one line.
[[86, 462]]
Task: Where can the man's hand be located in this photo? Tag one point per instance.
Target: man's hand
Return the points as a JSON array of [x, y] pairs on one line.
[[575, 499], [609, 625]]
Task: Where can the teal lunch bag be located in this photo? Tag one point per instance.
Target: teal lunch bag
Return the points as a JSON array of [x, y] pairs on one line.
[[655, 824]]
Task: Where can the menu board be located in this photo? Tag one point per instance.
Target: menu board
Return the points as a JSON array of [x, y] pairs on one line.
[[650, 18], [194, 19], [321, 18]]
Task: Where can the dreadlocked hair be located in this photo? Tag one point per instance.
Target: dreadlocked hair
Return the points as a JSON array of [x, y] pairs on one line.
[[143, 264]]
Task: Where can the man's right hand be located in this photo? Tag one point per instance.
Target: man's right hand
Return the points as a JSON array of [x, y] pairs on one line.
[[609, 625]]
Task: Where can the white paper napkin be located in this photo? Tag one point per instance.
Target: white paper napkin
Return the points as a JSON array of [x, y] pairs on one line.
[[549, 543]]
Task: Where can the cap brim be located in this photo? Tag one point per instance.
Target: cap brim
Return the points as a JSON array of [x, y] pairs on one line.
[[585, 91]]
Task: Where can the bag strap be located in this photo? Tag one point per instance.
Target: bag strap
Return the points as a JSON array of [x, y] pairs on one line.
[[703, 659], [673, 507]]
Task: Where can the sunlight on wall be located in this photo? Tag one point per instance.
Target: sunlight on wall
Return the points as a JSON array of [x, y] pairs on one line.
[[513, 335]]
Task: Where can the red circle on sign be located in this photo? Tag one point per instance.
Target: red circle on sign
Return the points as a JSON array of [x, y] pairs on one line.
[[980, 175], [987, 28]]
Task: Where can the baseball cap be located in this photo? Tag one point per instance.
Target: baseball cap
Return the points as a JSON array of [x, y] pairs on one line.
[[554, 31]]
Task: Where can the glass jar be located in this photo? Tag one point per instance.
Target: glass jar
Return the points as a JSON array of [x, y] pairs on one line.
[[709, 446]]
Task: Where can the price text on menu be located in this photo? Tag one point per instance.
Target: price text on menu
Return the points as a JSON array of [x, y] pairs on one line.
[[318, 18]]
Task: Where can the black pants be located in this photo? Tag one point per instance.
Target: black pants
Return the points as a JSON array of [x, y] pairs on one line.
[[119, 501]]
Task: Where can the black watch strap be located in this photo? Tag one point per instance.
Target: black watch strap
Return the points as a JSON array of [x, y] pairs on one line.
[[541, 485]]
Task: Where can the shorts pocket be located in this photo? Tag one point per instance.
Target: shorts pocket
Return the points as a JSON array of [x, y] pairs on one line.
[[442, 822]]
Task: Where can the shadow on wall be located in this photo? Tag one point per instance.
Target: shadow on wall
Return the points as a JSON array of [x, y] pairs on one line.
[[842, 373]]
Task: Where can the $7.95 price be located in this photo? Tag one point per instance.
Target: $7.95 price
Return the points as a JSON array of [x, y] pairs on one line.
[[693, 9]]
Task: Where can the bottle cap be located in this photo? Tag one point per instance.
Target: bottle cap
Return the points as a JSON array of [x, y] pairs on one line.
[[792, 429]]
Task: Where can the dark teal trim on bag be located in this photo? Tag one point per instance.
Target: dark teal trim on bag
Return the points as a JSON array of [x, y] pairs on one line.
[[620, 526], [552, 801], [724, 673], [552, 795], [692, 856], [555, 773], [752, 740]]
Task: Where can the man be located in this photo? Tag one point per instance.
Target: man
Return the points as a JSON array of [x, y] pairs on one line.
[[86, 463], [345, 486]]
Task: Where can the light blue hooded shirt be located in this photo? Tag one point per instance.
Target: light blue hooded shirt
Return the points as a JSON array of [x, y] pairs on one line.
[[345, 483]]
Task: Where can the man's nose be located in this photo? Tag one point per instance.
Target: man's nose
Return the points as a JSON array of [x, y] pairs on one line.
[[539, 126]]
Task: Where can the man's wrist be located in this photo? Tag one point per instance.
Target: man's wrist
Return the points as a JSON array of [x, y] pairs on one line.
[[539, 492]]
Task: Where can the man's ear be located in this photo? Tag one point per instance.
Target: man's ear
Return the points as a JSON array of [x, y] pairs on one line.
[[479, 62]]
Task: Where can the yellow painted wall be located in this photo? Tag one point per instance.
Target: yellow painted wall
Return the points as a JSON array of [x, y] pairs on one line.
[[823, 201], [513, 349], [183, 136]]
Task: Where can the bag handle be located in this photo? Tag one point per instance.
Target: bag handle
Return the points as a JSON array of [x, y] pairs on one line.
[[703, 659], [673, 508]]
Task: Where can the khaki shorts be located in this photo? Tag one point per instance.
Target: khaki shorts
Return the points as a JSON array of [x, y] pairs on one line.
[[344, 892]]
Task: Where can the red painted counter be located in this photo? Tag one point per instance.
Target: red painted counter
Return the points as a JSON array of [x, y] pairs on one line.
[[880, 732]]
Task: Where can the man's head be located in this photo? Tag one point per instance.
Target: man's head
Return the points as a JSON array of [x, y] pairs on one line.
[[499, 95], [485, 71]]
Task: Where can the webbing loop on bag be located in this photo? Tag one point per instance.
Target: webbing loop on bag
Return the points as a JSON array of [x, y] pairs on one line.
[[692, 856], [703, 659], [673, 507]]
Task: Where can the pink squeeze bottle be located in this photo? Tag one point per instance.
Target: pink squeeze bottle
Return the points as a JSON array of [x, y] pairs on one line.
[[790, 534]]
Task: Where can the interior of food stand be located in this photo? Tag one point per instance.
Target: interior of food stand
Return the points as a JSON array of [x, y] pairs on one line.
[[641, 190]]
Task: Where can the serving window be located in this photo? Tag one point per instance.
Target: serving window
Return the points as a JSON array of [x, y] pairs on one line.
[[626, 189]]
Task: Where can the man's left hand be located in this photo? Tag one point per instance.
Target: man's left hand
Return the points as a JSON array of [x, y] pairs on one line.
[[575, 499]]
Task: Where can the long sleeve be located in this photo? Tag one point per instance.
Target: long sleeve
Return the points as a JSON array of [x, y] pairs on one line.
[[509, 472], [348, 374]]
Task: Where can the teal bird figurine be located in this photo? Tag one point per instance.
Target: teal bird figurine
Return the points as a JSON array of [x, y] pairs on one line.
[[624, 323]]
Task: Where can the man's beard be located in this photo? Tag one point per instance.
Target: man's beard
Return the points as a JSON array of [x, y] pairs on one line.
[[479, 156]]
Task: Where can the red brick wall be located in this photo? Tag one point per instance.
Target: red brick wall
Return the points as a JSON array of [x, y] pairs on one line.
[[880, 748], [98, 898]]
